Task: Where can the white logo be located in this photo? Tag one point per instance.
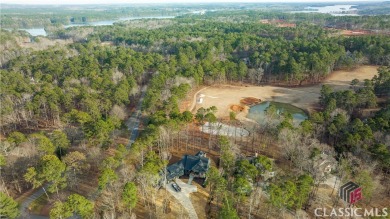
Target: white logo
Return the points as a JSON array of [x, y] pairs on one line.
[[351, 212]]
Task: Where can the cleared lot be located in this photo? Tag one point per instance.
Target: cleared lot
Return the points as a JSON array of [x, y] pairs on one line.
[[224, 96]]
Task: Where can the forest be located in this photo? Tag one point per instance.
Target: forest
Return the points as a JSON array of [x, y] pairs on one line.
[[31, 16], [65, 110], [14, 16]]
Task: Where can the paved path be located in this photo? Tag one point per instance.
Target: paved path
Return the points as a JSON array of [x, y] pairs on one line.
[[133, 122], [24, 211], [184, 196]]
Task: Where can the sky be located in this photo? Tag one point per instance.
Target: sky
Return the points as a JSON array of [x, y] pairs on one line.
[[56, 2]]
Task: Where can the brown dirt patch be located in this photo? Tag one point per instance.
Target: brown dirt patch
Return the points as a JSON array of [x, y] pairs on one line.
[[249, 101], [344, 77], [355, 32], [236, 108], [303, 97], [199, 201], [164, 200]]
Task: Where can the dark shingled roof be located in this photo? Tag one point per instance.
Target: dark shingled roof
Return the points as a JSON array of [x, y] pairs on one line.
[[197, 163], [175, 170]]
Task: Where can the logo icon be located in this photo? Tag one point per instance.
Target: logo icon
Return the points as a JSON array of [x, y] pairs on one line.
[[350, 192]]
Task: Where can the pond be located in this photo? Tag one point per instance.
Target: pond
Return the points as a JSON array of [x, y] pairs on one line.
[[257, 112], [42, 32], [111, 22]]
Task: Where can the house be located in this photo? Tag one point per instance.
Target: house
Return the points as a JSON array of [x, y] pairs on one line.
[[266, 174], [324, 164], [193, 165]]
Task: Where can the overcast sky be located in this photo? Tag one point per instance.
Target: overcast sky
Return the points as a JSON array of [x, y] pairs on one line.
[[56, 2]]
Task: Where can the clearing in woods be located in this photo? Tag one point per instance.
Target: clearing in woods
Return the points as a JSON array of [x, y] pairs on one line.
[[226, 97]]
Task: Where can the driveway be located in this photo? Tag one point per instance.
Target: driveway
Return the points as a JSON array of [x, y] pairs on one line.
[[134, 120], [24, 211], [184, 196]]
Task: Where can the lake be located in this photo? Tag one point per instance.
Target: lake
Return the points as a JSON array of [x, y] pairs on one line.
[[42, 32], [36, 31], [257, 112], [336, 10]]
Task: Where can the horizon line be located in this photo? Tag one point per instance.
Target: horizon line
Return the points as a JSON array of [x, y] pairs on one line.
[[194, 2]]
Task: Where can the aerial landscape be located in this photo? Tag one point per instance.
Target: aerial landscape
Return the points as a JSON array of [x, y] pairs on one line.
[[194, 109]]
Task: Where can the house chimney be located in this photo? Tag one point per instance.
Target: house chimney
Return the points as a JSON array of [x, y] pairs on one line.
[[190, 179]]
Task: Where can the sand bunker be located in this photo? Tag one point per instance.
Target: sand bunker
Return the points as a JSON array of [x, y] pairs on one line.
[[223, 129], [250, 101]]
